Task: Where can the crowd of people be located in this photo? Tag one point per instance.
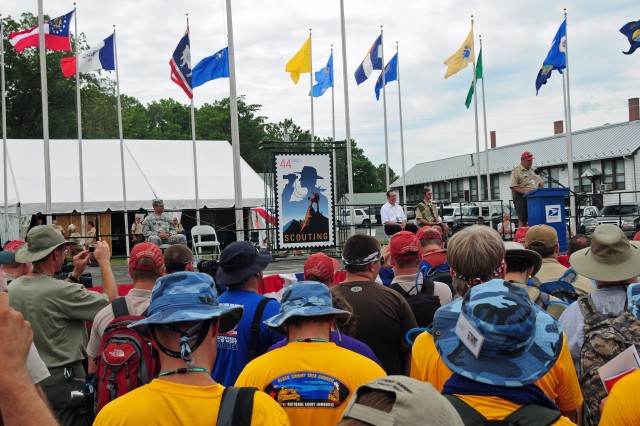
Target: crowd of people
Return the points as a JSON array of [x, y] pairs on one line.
[[474, 329]]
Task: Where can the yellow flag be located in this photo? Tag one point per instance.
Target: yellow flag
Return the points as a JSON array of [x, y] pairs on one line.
[[301, 62], [463, 57]]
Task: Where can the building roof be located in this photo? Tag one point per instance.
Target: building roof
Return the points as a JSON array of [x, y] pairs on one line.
[[367, 198], [607, 141]]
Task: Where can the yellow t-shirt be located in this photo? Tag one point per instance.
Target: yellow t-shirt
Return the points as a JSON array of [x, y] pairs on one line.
[[167, 403], [494, 408], [623, 405], [560, 383], [312, 381]]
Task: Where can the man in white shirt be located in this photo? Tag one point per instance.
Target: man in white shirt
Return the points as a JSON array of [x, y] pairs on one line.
[[393, 217]]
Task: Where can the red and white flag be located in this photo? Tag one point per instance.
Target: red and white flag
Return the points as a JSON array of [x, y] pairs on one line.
[[56, 35]]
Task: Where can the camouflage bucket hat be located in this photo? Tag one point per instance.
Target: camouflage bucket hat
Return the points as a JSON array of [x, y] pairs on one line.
[[304, 299], [515, 341], [188, 296]]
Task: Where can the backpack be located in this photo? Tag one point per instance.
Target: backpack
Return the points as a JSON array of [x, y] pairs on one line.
[[127, 358], [424, 303], [562, 287], [236, 406], [527, 415], [553, 307], [440, 273], [605, 336]]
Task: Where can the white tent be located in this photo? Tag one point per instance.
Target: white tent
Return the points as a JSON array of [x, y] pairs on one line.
[[153, 168]]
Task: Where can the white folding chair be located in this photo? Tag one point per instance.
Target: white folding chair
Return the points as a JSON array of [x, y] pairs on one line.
[[197, 242]]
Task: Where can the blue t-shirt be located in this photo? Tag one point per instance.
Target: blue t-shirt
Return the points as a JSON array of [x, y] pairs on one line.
[[343, 341], [233, 346]]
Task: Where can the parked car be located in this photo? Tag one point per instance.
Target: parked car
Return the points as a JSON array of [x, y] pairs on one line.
[[492, 215], [452, 216], [362, 218], [374, 211], [588, 216], [626, 216]]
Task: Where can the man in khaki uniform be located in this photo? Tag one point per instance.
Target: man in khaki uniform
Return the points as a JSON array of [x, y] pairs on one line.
[[427, 213], [523, 180]]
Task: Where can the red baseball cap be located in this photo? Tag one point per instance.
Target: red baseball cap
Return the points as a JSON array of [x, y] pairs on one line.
[[146, 251], [12, 246], [429, 233], [526, 154], [518, 237], [404, 245], [320, 265]]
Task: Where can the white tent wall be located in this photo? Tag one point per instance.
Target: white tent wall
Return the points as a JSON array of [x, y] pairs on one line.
[[166, 164]]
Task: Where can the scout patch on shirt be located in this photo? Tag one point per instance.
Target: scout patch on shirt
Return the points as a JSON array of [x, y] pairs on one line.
[[308, 389]]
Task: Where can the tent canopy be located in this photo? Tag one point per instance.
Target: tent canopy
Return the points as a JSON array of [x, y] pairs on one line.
[[162, 168]]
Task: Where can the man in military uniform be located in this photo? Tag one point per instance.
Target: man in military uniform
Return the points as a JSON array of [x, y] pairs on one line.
[[159, 229], [427, 213], [523, 180]]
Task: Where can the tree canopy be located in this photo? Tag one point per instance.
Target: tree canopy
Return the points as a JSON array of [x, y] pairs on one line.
[[159, 119]]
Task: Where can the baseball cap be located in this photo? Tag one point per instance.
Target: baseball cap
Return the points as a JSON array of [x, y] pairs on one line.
[[41, 240], [404, 245], [518, 237], [515, 342], [540, 237], [415, 402], [320, 265], [429, 233], [6, 257], [12, 246], [526, 154], [146, 251], [304, 299]]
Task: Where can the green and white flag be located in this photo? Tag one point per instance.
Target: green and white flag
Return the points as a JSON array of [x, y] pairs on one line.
[[478, 77]]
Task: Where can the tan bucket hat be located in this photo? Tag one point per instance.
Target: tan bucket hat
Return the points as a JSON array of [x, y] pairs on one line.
[[41, 240], [611, 256]]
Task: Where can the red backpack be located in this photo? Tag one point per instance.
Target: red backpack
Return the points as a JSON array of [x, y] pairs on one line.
[[127, 358]]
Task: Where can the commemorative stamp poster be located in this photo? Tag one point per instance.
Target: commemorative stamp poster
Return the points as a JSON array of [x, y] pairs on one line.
[[304, 200]]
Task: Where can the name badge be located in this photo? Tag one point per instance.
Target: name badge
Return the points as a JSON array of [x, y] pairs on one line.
[[469, 335]]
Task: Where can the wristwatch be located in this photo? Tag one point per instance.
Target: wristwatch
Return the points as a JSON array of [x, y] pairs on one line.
[[72, 278]]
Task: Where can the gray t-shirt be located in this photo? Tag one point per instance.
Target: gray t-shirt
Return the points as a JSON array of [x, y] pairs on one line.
[[36, 366]]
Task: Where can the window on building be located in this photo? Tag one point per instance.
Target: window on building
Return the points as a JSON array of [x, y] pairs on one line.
[[473, 188], [581, 184], [613, 173], [548, 175], [495, 187], [457, 190], [440, 191]]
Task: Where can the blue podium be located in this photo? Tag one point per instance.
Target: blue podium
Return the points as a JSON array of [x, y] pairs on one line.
[[546, 207]]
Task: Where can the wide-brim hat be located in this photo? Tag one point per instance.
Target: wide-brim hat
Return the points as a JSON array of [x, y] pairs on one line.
[[521, 341], [611, 256], [240, 260], [517, 250], [41, 240], [188, 296], [304, 299]]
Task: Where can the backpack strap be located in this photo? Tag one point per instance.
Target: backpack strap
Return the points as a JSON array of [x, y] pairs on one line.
[[119, 307], [428, 286], [397, 287], [533, 415], [569, 276], [542, 300], [255, 328], [469, 415], [587, 307], [236, 406]]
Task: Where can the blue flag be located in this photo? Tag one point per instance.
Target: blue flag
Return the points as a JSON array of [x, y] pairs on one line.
[[372, 61], [632, 31], [324, 79], [180, 64], [211, 67], [390, 74], [556, 58]]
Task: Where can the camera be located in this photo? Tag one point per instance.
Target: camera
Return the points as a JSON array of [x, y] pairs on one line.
[[92, 248], [85, 279], [210, 267]]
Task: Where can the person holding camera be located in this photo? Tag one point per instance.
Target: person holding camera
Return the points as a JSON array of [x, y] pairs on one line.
[[58, 310]]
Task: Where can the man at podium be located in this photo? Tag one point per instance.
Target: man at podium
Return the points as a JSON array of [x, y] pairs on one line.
[[523, 180]]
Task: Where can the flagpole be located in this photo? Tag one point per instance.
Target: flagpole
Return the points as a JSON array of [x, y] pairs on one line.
[[79, 116], [311, 88], [121, 136], [193, 149], [484, 116], [4, 136], [235, 135], [346, 113], [475, 105], [333, 132], [384, 101], [404, 183], [45, 113], [567, 114]]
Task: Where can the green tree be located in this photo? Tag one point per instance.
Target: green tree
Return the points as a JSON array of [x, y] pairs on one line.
[[382, 177]]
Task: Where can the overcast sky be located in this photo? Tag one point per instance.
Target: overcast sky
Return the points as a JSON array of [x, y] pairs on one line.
[[516, 37]]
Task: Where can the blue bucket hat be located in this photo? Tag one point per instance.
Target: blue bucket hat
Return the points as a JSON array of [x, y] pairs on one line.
[[240, 260], [188, 296], [521, 341], [304, 299]]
